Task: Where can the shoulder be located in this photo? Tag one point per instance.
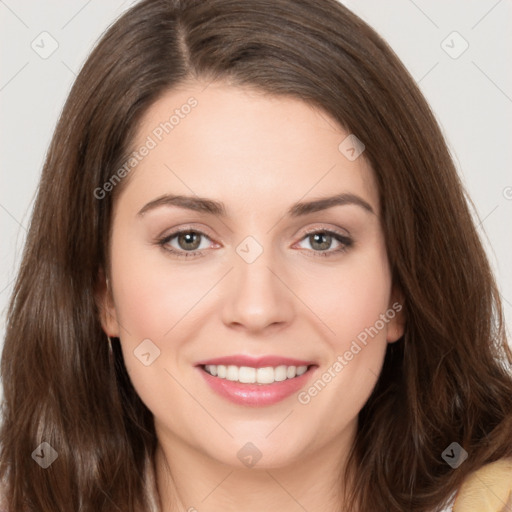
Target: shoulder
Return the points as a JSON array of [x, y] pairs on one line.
[[489, 489]]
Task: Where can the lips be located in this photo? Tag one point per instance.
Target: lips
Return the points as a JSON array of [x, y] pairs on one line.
[[256, 395], [256, 362]]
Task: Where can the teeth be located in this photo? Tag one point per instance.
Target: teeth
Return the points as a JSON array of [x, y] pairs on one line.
[[232, 373], [301, 370], [248, 375], [280, 373]]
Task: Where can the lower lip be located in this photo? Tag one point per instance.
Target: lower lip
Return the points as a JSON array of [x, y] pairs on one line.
[[256, 395]]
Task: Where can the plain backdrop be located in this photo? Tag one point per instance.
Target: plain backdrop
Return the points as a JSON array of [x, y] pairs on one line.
[[458, 51]]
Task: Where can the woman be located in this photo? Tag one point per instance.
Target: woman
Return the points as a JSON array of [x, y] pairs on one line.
[[251, 271]]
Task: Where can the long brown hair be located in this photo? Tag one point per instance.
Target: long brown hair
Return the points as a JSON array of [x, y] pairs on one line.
[[448, 379]]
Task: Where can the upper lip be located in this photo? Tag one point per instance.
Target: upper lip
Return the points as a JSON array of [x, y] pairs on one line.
[[255, 362]]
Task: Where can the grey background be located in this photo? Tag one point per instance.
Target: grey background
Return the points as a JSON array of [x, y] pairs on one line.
[[470, 94]]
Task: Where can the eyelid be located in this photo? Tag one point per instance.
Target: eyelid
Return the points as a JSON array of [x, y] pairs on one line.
[[322, 227], [185, 228]]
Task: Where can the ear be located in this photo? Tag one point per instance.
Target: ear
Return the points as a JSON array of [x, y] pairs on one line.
[[396, 315], [105, 302]]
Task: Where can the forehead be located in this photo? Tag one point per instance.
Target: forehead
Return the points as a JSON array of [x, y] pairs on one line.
[[247, 148]]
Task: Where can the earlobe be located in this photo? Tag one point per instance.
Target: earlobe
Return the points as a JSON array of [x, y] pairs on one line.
[[395, 332], [396, 315], [105, 302]]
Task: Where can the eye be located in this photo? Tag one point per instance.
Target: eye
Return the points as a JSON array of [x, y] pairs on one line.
[[187, 243], [321, 240]]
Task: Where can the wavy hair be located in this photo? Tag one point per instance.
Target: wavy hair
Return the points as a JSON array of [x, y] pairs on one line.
[[448, 379]]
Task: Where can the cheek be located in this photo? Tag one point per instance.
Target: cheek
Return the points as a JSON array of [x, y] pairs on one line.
[[351, 297], [152, 294], [357, 295], [152, 304], [162, 301]]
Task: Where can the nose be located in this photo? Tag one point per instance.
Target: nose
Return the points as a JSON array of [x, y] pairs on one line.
[[258, 295]]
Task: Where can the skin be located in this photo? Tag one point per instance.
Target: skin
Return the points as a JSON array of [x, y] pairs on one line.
[[258, 154]]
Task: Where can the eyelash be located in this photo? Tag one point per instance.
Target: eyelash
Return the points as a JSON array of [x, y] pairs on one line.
[[344, 240]]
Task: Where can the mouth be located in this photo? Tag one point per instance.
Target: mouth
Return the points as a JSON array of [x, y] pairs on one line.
[[260, 382], [252, 375]]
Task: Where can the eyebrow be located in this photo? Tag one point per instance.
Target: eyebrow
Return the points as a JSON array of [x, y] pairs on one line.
[[204, 205]]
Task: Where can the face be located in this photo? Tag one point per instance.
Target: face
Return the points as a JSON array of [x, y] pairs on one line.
[[265, 277]]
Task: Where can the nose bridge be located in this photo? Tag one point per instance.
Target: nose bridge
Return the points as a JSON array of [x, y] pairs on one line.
[[257, 298]]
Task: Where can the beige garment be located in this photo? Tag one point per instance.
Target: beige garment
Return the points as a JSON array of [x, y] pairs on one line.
[[488, 489]]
